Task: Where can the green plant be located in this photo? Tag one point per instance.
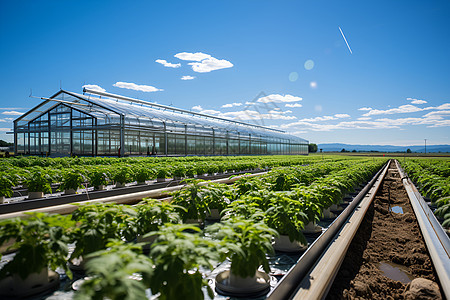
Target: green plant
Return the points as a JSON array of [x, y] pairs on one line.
[[112, 273], [190, 172], [72, 180], [162, 172], [98, 177], [246, 243], [99, 222], [152, 214], [286, 217], [217, 195], [40, 241], [143, 174], [5, 185], [39, 182], [178, 256], [179, 171], [123, 175], [191, 198]]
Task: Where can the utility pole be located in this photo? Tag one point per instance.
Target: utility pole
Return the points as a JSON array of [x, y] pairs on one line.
[[425, 146]]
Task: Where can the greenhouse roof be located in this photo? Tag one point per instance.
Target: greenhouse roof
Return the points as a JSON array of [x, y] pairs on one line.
[[100, 104]]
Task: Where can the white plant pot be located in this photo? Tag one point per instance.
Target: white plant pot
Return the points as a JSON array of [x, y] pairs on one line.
[[282, 243], [16, 287], [100, 187], [236, 285], [214, 215], [311, 227], [33, 279], [242, 282], [327, 214], [70, 192], [335, 208], [35, 195]]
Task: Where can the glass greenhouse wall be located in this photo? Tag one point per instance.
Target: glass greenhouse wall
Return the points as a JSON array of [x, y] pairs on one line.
[[96, 123]]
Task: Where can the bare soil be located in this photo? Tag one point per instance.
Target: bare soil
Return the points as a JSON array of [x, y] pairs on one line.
[[384, 236]]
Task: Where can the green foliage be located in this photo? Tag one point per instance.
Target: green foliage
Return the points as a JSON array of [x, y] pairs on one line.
[[98, 177], [152, 214], [191, 198], [143, 174], [123, 175], [178, 256], [179, 171], [6, 185], [312, 148], [72, 180], [39, 182], [112, 273], [40, 242], [162, 172], [246, 243], [97, 223], [286, 217], [217, 195]]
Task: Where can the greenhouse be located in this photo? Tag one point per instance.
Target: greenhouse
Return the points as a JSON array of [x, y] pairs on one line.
[[98, 123]]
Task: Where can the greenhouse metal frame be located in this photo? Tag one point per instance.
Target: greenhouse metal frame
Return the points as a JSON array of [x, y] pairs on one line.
[[99, 123]]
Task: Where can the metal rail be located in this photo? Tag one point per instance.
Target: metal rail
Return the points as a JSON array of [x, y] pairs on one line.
[[302, 282], [437, 241]]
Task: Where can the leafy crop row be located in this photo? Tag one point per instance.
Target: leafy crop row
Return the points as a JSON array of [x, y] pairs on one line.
[[432, 179]]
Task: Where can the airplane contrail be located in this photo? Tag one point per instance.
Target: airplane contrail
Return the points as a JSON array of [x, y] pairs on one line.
[[345, 40]]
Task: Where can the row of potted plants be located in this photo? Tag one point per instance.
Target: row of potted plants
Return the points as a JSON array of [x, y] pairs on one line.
[[432, 180], [251, 219], [39, 179]]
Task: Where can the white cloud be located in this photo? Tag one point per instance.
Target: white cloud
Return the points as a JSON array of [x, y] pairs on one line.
[[210, 64], [276, 98], [198, 56], [167, 64], [245, 115], [136, 87], [7, 120], [416, 101], [365, 108], [293, 105], [197, 107], [408, 108], [439, 118], [341, 116], [231, 105], [6, 129], [11, 108], [12, 113], [210, 112], [94, 87], [187, 77]]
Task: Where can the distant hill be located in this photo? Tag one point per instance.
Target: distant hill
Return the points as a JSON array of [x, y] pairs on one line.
[[336, 147]]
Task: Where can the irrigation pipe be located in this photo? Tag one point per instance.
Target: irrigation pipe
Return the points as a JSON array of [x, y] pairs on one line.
[[437, 241]]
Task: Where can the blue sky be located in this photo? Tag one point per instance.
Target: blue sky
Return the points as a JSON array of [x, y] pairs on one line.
[[282, 63]]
